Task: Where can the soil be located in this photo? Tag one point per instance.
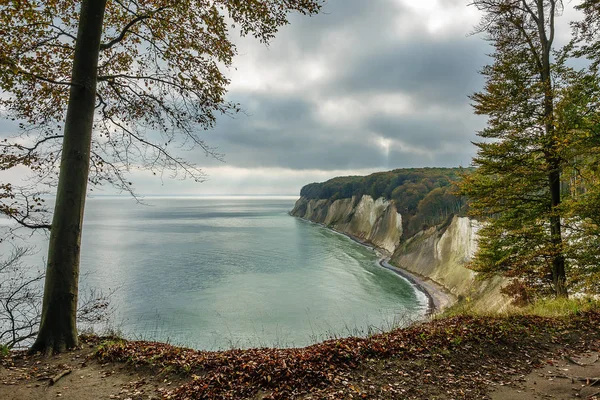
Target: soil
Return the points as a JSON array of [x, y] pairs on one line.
[[25, 377], [576, 377], [461, 357]]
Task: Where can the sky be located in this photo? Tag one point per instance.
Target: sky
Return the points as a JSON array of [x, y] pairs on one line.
[[365, 86]]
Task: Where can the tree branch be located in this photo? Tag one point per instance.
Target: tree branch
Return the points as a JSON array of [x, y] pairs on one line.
[[106, 46]]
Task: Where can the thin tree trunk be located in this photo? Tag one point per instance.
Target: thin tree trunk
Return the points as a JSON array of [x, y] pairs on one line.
[[58, 330], [554, 168], [558, 262], [558, 258]]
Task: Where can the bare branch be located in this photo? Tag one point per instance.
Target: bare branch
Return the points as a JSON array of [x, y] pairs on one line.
[[126, 29]]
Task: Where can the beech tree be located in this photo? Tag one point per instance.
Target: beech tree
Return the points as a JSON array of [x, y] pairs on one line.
[[580, 115], [100, 87], [537, 184], [516, 188]]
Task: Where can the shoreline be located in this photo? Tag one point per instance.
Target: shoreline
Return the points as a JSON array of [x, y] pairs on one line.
[[438, 297], [431, 306]]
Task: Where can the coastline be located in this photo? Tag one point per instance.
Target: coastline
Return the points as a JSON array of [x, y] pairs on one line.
[[438, 297]]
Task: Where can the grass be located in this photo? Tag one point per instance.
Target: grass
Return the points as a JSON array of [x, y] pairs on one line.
[[561, 307], [4, 351], [548, 308]]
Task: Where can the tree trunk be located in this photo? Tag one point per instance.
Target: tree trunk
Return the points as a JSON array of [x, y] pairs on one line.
[[58, 330], [558, 258], [558, 262], [554, 167]]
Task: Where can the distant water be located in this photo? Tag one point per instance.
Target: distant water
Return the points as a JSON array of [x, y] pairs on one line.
[[216, 273]]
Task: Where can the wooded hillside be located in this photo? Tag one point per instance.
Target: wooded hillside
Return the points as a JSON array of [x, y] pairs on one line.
[[424, 196]]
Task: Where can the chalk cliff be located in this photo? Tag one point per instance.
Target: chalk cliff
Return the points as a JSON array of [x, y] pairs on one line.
[[439, 253], [373, 221]]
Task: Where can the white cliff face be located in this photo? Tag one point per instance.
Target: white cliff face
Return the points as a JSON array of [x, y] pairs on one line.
[[374, 221], [461, 237], [369, 211], [443, 257], [338, 210], [438, 254], [474, 242]]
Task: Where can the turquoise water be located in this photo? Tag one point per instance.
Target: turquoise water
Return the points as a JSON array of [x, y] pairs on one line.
[[216, 273]]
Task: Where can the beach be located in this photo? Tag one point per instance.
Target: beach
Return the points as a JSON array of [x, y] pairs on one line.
[[439, 298]]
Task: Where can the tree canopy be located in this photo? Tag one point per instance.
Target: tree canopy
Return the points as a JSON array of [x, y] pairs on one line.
[[161, 78], [424, 196], [533, 184], [100, 87]]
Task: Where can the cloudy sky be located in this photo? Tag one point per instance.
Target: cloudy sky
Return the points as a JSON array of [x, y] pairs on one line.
[[365, 86]]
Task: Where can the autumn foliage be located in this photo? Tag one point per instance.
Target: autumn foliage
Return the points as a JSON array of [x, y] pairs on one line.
[[536, 181], [456, 357], [100, 88]]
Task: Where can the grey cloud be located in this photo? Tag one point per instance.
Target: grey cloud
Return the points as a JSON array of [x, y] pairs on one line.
[[8, 128], [285, 129], [284, 132], [435, 71], [361, 46], [355, 20], [358, 44], [433, 134]]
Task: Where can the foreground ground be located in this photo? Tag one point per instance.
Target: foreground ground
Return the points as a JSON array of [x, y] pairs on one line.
[[510, 357]]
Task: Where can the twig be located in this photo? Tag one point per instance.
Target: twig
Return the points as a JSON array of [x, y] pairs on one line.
[[589, 381], [572, 361], [56, 378]]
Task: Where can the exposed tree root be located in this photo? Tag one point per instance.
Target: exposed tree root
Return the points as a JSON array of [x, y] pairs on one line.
[[588, 381], [58, 376], [572, 361]]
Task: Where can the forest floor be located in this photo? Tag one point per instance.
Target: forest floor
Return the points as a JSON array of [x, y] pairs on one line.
[[463, 357]]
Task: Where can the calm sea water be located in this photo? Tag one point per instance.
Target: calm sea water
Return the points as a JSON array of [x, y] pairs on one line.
[[216, 273]]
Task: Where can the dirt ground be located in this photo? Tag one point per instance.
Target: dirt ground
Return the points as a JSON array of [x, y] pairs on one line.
[[29, 378], [576, 377], [463, 357]]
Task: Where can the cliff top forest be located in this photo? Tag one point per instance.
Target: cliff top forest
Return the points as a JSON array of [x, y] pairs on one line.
[[424, 196]]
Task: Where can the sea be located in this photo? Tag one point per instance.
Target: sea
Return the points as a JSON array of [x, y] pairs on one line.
[[217, 273]]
